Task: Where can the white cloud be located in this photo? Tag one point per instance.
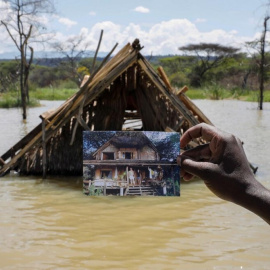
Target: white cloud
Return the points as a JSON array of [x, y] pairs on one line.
[[142, 9], [67, 22], [92, 13], [7, 45], [4, 5], [162, 38]]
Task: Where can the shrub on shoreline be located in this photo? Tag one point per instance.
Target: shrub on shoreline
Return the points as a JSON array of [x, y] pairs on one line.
[[12, 100]]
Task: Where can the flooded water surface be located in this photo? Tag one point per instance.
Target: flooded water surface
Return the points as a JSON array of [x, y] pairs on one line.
[[52, 225]]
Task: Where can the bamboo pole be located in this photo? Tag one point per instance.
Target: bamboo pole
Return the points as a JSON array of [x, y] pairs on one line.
[[44, 153], [96, 53], [191, 106], [164, 78], [2, 162]]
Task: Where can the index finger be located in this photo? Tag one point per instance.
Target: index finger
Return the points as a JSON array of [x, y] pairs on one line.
[[203, 130]]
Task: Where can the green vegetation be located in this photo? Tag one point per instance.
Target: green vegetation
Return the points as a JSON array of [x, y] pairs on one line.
[[48, 93], [196, 94], [222, 93], [51, 79], [11, 100], [93, 191], [254, 96]]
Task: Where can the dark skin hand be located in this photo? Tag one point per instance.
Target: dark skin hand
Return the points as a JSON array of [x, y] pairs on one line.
[[224, 168]]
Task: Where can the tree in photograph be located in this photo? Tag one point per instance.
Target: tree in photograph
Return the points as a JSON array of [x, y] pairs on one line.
[[73, 50], [209, 56], [23, 22], [93, 140]]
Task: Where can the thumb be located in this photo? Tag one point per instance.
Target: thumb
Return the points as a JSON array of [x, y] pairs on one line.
[[203, 170]]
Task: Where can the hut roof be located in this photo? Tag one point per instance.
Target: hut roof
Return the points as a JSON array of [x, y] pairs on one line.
[[128, 140], [124, 88]]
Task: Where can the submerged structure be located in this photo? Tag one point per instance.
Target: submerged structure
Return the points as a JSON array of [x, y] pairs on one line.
[[122, 93]]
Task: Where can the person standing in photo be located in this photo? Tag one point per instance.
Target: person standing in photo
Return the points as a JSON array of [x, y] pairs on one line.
[[139, 177], [131, 176]]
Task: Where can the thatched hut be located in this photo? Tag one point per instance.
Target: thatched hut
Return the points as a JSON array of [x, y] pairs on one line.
[[123, 89]]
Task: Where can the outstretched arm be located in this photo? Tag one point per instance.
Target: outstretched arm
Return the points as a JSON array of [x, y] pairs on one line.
[[224, 167]]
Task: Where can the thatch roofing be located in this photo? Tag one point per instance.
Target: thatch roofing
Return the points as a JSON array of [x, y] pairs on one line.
[[127, 140], [130, 139], [124, 88]]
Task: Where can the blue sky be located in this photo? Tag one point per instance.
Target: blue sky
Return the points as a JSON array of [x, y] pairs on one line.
[[161, 26]]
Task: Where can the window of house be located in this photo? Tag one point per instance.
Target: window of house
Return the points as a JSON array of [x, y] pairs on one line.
[[106, 174], [128, 155], [108, 155]]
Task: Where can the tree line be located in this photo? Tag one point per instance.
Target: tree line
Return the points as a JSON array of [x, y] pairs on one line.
[[234, 70], [205, 64], [45, 72]]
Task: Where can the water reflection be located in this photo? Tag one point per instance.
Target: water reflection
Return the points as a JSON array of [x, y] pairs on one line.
[[52, 225]]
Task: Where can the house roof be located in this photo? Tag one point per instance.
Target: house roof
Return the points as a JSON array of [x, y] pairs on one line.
[[129, 139]]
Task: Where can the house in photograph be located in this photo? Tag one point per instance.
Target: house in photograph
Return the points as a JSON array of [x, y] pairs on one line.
[[128, 164]]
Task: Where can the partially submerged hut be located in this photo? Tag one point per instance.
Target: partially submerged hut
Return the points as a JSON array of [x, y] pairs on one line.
[[126, 88]]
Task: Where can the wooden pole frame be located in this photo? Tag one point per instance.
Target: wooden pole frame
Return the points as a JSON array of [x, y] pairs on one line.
[[44, 154]]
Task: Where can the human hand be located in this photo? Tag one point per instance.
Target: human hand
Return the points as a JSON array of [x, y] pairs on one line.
[[224, 167], [221, 163]]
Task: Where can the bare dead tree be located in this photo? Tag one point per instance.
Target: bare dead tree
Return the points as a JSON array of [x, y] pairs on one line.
[[21, 20], [262, 62], [259, 45], [72, 50]]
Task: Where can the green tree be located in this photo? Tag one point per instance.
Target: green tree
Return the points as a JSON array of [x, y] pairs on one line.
[[177, 68], [93, 140], [208, 56]]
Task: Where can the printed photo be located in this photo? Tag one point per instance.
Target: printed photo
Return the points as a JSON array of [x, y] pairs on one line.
[[124, 163]]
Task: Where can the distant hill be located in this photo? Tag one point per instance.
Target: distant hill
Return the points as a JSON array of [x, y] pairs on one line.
[[52, 59], [42, 54]]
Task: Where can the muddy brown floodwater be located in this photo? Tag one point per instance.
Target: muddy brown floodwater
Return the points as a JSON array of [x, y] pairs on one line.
[[52, 225]]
